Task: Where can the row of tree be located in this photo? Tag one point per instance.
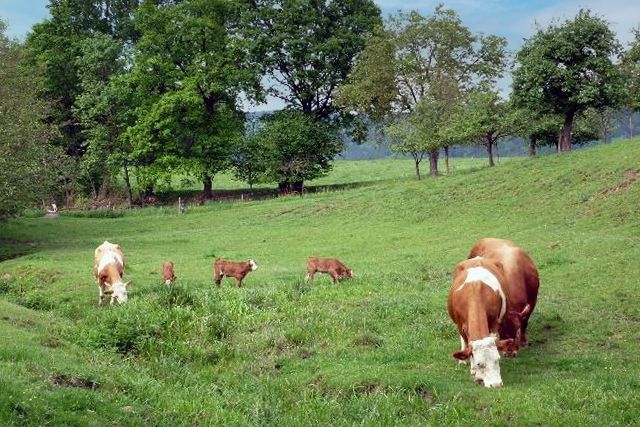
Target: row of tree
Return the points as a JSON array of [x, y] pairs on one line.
[[430, 83], [110, 90]]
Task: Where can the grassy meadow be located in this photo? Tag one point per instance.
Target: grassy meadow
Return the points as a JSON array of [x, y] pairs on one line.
[[375, 350]]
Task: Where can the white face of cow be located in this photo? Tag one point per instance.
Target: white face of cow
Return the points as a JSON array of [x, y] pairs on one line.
[[253, 265], [485, 362], [119, 292]]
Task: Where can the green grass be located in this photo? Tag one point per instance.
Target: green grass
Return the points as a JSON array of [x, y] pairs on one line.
[[372, 351], [344, 174]]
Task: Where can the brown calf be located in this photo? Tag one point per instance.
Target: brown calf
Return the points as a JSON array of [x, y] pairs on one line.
[[237, 269], [168, 273], [331, 266], [520, 285]]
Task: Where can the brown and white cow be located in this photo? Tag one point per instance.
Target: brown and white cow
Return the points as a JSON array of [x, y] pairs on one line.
[[237, 269], [520, 286], [108, 268], [477, 304], [168, 273], [331, 266]]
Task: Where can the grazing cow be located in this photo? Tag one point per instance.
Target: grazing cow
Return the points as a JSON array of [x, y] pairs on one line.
[[477, 304], [331, 266], [237, 269], [108, 268], [520, 286], [168, 273]]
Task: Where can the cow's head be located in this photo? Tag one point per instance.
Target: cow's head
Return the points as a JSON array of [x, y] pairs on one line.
[[119, 293], [349, 273], [253, 265], [485, 360]]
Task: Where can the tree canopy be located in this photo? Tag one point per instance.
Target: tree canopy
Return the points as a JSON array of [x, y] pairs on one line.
[[567, 68]]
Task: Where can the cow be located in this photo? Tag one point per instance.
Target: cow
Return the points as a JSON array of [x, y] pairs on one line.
[[168, 273], [331, 266], [520, 286], [237, 269], [108, 268], [477, 305]]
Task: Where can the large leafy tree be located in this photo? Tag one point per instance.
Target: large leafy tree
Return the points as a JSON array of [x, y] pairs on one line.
[[294, 147], [422, 65], [54, 45], [27, 160], [308, 47], [567, 68], [104, 110], [191, 67]]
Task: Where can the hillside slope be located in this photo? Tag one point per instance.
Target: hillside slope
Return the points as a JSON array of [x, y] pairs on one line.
[[375, 350]]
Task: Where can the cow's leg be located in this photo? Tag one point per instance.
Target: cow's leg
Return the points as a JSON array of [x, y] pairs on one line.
[[309, 277], [524, 342], [218, 278], [101, 296], [334, 276], [239, 281]]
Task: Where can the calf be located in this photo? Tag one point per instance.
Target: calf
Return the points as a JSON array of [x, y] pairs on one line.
[[477, 305], [331, 266], [520, 286], [108, 267], [237, 269], [168, 273]]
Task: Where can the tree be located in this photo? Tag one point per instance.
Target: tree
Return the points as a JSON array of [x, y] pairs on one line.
[[565, 69], [485, 119], [190, 70], [296, 147], [421, 60], [630, 68], [27, 160], [248, 160], [308, 47], [104, 109], [54, 45], [545, 129]]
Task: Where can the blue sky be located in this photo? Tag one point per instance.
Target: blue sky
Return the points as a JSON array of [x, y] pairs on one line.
[[513, 19]]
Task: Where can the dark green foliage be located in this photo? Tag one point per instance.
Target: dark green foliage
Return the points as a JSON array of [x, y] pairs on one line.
[[29, 165], [567, 68], [308, 47], [294, 147], [189, 72]]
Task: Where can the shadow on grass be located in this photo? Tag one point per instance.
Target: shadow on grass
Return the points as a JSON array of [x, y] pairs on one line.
[[11, 249], [245, 194]]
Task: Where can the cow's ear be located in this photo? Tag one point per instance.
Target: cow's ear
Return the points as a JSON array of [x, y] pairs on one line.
[[128, 284], [508, 345], [463, 354]]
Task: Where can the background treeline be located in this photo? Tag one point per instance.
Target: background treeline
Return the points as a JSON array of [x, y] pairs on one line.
[[110, 94]]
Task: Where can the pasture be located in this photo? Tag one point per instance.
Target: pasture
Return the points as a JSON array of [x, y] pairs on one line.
[[375, 350]]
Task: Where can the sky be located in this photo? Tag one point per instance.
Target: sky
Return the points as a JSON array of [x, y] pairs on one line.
[[514, 19]]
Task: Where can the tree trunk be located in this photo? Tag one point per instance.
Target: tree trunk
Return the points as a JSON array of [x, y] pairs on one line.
[[127, 183], [489, 146], [298, 186], [105, 187], [532, 147], [433, 163], [565, 136], [631, 124], [446, 159], [416, 162], [207, 192]]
